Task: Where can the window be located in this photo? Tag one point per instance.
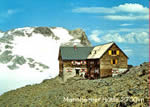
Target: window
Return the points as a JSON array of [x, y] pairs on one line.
[[84, 62], [113, 52], [91, 62], [82, 70], [117, 52], [110, 52], [114, 61], [73, 62]]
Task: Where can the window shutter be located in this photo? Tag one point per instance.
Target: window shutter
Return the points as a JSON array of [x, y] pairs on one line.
[[81, 62], [111, 61], [110, 52], [116, 61], [72, 62], [117, 52], [84, 62]]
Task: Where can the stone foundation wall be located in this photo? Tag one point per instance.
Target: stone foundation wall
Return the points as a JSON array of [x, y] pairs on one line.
[[69, 72]]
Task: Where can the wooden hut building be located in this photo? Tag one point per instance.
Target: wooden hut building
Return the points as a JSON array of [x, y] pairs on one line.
[[92, 62]]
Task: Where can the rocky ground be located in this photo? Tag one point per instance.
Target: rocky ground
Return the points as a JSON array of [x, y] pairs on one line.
[[129, 89]]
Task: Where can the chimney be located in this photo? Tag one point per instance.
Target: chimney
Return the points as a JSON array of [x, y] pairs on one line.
[[75, 47]]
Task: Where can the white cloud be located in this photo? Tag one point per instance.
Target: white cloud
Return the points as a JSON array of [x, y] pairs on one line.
[[142, 37], [93, 10], [95, 35], [131, 8], [11, 11], [127, 17], [128, 7], [137, 30], [112, 37], [133, 37], [126, 24], [6, 14], [130, 11], [130, 37], [128, 51]]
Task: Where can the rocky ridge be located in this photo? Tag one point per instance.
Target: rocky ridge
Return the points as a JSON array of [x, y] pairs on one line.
[[126, 90]]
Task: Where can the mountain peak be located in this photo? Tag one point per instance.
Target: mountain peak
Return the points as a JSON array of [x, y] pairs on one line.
[[31, 50], [79, 29]]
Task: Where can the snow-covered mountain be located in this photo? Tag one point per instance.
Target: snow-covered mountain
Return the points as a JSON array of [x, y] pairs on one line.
[[1, 34], [29, 55]]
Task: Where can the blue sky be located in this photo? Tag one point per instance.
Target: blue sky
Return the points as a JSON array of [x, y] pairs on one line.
[[123, 21]]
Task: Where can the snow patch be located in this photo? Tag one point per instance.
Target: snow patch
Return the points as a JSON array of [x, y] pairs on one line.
[[1, 34], [12, 79], [62, 33], [76, 41], [41, 49], [25, 29]]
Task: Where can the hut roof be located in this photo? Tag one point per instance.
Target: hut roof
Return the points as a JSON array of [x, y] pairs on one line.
[[99, 51], [75, 53], [83, 53]]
